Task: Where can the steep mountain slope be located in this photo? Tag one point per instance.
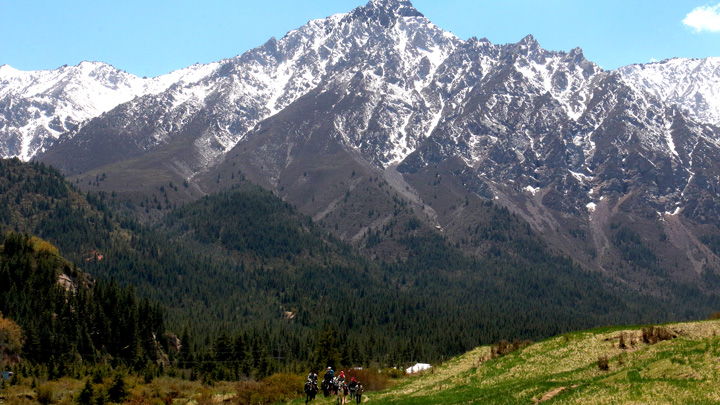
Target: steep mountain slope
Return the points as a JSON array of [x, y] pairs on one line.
[[37, 107], [690, 83], [265, 269], [69, 318], [376, 113], [572, 149], [223, 107], [624, 158]]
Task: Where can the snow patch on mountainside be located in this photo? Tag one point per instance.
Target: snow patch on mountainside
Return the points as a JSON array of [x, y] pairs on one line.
[[693, 84], [44, 104], [408, 81]]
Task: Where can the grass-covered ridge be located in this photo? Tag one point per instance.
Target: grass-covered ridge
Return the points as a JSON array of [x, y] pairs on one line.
[[565, 369]]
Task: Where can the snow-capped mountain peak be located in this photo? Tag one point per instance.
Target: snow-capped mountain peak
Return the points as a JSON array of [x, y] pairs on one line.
[[404, 76], [384, 91], [692, 84], [400, 8], [37, 106]]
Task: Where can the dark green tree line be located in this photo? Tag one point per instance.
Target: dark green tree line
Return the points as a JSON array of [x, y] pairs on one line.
[[77, 319]]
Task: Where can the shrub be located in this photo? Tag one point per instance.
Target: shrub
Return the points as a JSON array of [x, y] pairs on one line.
[[285, 386], [276, 388], [393, 373], [86, 395], [603, 363], [245, 391], [45, 394], [11, 339], [373, 380], [655, 334], [503, 347], [205, 397], [101, 398], [164, 390]]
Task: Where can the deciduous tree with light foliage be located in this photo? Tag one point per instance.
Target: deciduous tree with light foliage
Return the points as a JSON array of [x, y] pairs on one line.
[[11, 339]]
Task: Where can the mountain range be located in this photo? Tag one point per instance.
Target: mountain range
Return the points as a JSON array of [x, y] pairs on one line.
[[362, 117]]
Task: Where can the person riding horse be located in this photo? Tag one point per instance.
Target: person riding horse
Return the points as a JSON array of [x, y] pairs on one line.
[[327, 382], [311, 389], [342, 391]]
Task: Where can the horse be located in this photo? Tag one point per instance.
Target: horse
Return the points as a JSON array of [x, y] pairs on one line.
[[326, 385], [342, 392], [311, 390]]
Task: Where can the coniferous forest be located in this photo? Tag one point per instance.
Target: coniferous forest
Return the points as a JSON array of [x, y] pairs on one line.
[[76, 321], [240, 285]]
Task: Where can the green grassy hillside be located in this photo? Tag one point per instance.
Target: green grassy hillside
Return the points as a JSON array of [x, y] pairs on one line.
[[564, 369]]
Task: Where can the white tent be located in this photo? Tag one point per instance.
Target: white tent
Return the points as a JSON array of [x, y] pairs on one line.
[[418, 368]]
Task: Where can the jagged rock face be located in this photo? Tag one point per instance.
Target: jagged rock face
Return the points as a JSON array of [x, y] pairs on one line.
[[37, 107], [573, 149], [693, 84], [545, 120], [403, 76], [382, 57]]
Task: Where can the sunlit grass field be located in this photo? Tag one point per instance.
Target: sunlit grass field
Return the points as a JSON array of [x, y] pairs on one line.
[[565, 370]]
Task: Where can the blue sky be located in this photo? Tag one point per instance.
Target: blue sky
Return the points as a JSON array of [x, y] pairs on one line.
[[153, 37]]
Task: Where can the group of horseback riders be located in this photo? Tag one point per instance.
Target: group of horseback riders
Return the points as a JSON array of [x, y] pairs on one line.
[[333, 385]]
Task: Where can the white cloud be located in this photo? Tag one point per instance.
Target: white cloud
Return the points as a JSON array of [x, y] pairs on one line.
[[705, 18]]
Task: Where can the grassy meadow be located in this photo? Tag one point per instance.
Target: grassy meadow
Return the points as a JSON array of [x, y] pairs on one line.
[[566, 370]]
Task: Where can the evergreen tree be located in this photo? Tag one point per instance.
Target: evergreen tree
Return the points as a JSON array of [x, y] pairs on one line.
[[85, 397], [186, 356], [223, 347], [118, 390], [327, 350]]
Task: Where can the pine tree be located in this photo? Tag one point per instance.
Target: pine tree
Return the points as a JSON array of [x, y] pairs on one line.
[[86, 395], [239, 356], [327, 350], [118, 390], [186, 356], [223, 347]]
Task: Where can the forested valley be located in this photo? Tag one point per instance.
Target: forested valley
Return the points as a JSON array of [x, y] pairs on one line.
[[240, 285]]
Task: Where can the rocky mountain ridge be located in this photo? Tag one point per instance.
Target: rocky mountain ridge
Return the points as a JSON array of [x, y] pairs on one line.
[[38, 106], [603, 164], [690, 83], [280, 71]]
